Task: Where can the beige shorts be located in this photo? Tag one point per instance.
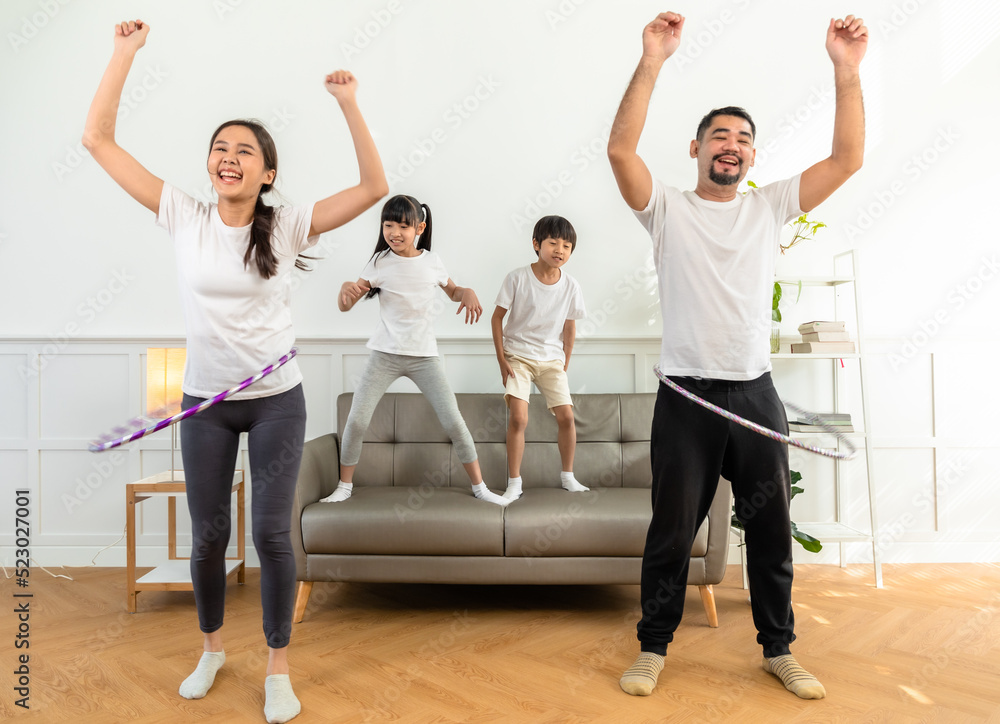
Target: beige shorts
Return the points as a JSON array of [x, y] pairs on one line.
[[549, 377]]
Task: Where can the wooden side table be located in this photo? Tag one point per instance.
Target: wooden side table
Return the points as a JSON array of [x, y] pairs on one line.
[[175, 574]]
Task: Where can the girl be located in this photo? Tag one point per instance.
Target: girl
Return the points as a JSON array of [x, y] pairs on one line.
[[234, 259], [406, 277]]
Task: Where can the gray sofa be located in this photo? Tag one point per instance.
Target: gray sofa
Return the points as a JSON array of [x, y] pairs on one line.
[[413, 518]]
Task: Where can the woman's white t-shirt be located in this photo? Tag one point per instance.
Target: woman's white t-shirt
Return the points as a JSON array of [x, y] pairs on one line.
[[538, 313], [715, 266], [237, 321], [409, 301]]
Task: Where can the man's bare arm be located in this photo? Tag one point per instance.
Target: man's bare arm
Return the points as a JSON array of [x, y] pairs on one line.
[[846, 42], [660, 39]]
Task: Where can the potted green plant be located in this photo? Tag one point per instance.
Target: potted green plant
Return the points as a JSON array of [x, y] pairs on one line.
[[813, 545], [803, 230]]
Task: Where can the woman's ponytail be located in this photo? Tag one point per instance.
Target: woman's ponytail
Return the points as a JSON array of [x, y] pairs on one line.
[[259, 249]]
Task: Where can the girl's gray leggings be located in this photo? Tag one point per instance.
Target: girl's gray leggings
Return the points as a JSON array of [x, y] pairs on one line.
[[383, 369]]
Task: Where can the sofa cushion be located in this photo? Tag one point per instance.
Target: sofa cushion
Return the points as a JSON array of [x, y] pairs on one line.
[[600, 522], [417, 521]]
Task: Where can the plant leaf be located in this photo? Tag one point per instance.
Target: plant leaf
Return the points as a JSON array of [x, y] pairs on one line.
[[796, 476], [805, 540], [795, 491]]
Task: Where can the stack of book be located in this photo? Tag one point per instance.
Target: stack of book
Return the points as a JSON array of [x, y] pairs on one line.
[[825, 337], [840, 421]]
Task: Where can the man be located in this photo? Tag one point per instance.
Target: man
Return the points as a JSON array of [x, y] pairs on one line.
[[714, 251]]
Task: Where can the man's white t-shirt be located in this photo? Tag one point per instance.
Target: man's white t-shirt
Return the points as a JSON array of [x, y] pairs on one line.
[[715, 264], [409, 301], [537, 313], [237, 321]]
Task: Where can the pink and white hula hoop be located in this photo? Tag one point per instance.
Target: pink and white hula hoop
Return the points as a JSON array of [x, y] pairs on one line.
[[106, 442], [767, 432]]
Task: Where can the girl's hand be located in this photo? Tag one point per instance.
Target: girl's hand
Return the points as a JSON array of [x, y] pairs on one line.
[[470, 302], [351, 292], [131, 35], [342, 85]]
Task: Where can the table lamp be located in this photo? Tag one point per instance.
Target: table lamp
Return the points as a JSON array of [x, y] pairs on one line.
[[164, 375]]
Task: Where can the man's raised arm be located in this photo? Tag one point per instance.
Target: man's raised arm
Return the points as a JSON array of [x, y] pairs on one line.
[[659, 41], [846, 42]]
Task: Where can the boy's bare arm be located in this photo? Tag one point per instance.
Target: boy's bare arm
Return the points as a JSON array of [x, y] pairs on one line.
[[569, 338], [496, 325]]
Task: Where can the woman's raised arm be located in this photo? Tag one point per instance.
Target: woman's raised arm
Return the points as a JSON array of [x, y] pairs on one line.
[[99, 132]]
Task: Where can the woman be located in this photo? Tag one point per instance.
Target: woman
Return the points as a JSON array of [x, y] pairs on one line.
[[234, 259]]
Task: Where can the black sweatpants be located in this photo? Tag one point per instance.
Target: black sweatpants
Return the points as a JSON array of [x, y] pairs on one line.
[[690, 447], [209, 444]]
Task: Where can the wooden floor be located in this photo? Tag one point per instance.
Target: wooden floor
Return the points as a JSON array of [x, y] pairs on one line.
[[924, 649]]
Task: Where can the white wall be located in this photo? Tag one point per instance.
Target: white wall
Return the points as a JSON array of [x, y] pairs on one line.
[[84, 265]]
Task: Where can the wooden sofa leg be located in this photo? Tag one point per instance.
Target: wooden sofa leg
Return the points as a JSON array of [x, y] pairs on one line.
[[301, 599], [708, 600]]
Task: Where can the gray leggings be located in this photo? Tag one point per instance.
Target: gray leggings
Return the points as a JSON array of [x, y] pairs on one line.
[[276, 427], [383, 369]]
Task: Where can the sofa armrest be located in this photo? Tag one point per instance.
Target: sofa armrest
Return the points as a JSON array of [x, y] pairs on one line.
[[319, 474]]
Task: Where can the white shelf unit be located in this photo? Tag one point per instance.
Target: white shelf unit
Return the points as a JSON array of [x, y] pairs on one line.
[[838, 531], [175, 573]]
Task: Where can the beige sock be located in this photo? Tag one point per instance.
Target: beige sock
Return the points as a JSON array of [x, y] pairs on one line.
[[640, 679], [796, 679]]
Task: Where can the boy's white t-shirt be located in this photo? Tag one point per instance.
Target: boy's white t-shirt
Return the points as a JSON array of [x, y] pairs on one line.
[[537, 313], [715, 264], [237, 321], [409, 301]]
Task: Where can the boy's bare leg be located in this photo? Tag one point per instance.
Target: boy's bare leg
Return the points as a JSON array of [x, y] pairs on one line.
[[517, 422], [567, 447]]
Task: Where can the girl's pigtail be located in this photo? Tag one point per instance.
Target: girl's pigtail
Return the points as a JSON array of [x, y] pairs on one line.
[[425, 238]]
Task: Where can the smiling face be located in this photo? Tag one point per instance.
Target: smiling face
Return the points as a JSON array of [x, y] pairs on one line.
[[238, 165], [400, 236], [553, 253], [724, 151]]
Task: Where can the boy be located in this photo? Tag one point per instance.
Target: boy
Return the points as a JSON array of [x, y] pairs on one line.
[[536, 344]]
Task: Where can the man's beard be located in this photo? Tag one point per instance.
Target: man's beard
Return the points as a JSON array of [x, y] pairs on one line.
[[724, 179]]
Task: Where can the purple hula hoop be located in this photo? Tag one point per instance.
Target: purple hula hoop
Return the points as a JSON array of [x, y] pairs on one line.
[[767, 432], [101, 445]]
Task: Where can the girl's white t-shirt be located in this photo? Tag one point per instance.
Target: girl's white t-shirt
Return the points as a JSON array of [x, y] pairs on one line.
[[409, 301], [715, 266], [237, 321], [537, 313]]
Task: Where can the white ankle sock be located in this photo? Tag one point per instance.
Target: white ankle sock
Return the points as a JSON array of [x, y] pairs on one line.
[[342, 493], [200, 681], [280, 702], [484, 493], [513, 491], [570, 483]]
